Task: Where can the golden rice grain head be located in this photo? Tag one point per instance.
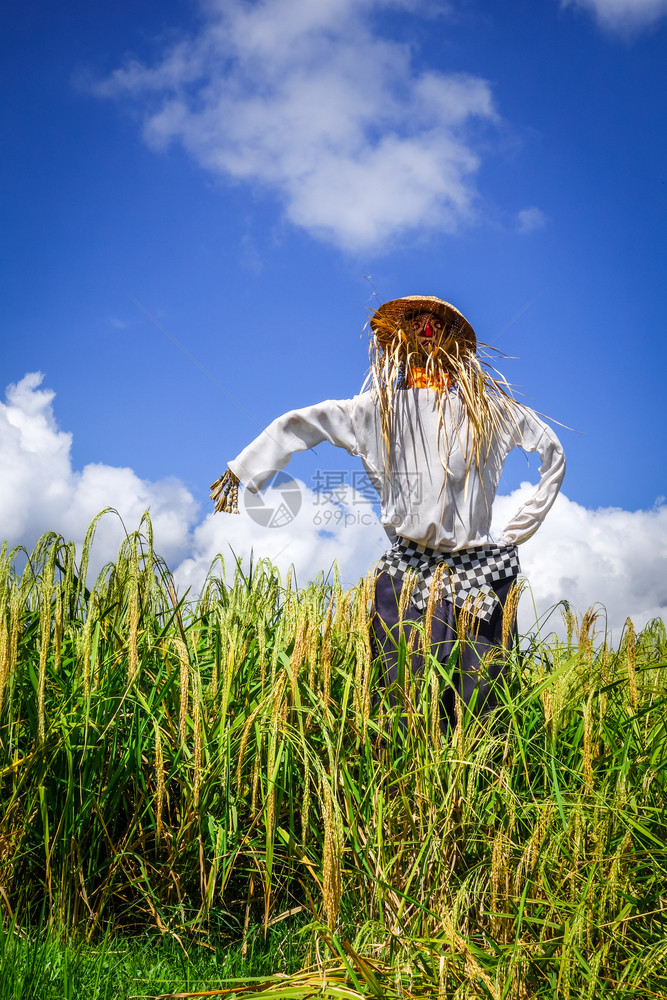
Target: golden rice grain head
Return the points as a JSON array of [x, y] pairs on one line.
[[15, 625], [184, 676], [58, 628], [299, 650], [278, 706], [270, 812], [4, 653], [160, 786], [288, 594], [458, 728], [435, 711], [500, 874], [313, 644], [256, 767], [510, 611], [366, 698], [87, 651], [277, 712], [278, 648], [331, 861], [326, 654], [434, 596], [261, 646], [133, 631], [467, 622], [359, 660], [589, 747], [45, 639], [543, 827], [366, 610], [305, 801], [603, 695], [631, 658], [570, 621], [344, 624], [474, 971], [245, 735], [407, 588], [586, 641], [198, 733]]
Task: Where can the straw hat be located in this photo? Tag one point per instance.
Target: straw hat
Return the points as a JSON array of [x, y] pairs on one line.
[[390, 317]]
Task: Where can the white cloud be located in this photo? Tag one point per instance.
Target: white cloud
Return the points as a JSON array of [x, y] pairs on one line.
[[305, 100], [42, 492], [609, 556], [530, 219], [622, 16]]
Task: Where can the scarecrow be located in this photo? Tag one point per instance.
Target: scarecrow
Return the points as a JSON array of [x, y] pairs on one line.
[[432, 426]]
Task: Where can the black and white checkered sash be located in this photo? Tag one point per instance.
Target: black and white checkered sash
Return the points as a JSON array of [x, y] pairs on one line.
[[470, 576]]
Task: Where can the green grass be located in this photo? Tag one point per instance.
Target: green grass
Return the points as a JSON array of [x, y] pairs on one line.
[[220, 771], [43, 967]]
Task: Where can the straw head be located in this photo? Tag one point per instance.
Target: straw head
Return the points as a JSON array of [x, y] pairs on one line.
[[390, 317]]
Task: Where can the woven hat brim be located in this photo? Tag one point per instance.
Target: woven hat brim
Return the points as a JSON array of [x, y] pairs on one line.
[[390, 317]]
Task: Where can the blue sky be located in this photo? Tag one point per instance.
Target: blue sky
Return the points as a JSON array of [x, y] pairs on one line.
[[238, 168]]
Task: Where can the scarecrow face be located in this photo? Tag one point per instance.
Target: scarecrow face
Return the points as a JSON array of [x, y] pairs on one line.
[[427, 328]]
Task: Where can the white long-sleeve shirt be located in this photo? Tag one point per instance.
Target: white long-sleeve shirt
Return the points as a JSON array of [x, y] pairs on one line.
[[433, 494]]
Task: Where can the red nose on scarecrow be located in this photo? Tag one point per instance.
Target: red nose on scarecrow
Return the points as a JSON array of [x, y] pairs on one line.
[[432, 429]]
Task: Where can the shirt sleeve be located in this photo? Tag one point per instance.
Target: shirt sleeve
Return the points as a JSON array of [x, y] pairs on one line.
[[535, 435], [297, 430]]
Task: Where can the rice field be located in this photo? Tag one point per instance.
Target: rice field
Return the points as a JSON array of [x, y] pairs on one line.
[[217, 770]]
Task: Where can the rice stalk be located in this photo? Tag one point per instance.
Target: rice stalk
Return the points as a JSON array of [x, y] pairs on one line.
[[198, 733], [526, 845], [46, 592], [5, 649], [160, 784], [133, 613], [326, 655], [631, 655], [184, 684], [331, 860], [434, 596], [588, 745], [510, 611]]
